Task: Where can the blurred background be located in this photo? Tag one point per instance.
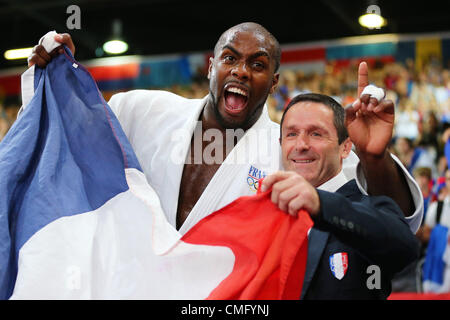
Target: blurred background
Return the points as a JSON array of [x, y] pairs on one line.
[[166, 44]]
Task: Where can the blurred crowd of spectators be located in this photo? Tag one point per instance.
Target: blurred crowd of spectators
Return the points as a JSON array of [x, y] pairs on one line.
[[421, 97], [422, 119], [9, 106]]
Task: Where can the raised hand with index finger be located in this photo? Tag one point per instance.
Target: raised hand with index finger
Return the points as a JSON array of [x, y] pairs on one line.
[[369, 121]]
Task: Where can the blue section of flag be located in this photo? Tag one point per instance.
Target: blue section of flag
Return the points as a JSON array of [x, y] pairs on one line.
[[65, 155]]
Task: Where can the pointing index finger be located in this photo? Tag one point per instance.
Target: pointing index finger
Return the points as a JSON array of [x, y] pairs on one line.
[[363, 77]]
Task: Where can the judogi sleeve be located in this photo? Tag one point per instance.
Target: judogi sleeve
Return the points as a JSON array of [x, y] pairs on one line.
[[353, 170]]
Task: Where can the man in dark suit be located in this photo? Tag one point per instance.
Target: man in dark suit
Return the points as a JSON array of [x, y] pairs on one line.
[[358, 242]]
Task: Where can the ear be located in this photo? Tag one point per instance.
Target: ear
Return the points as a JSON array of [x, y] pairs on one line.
[[275, 79], [210, 67], [346, 147]]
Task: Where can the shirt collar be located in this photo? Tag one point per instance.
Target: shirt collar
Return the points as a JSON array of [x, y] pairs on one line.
[[334, 183]]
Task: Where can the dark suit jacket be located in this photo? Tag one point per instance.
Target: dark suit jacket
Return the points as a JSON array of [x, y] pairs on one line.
[[371, 230]]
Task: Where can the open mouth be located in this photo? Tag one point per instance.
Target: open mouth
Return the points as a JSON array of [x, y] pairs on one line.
[[235, 99]]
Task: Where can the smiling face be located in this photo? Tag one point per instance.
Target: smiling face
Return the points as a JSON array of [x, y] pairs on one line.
[[242, 74], [309, 142]]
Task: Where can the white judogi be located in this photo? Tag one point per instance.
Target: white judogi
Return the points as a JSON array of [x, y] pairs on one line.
[[160, 125]]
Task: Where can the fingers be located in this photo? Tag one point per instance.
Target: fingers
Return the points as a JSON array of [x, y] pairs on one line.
[[39, 56], [385, 110], [66, 39], [351, 111], [282, 187], [374, 94], [373, 102], [286, 200], [367, 103], [40, 50], [291, 192], [271, 179], [363, 77], [365, 98], [358, 108], [376, 106], [386, 106], [294, 205], [309, 202], [297, 196]]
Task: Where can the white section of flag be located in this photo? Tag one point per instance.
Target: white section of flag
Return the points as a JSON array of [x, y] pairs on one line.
[[125, 249]]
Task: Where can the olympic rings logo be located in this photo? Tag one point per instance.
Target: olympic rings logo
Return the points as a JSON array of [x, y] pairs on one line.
[[253, 183]]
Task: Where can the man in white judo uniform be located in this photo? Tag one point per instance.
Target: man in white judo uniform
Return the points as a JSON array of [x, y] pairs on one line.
[[201, 154]]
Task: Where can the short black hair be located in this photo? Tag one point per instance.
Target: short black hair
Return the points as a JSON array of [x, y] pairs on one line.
[[338, 111], [255, 27]]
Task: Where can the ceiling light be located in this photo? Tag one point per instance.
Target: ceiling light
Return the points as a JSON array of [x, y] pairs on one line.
[[115, 46], [14, 54], [372, 21]]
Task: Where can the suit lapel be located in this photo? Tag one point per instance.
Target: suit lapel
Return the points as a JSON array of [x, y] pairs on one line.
[[317, 241]]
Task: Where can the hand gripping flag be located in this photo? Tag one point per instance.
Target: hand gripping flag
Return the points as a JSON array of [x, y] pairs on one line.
[[78, 220]]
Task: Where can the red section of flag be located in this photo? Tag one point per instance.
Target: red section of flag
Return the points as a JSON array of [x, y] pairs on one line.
[[270, 248], [303, 55]]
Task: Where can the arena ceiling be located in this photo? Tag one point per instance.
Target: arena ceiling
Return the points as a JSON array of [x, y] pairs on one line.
[[178, 26]]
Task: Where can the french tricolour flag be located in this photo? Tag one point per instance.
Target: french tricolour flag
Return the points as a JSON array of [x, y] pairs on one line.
[[78, 220]]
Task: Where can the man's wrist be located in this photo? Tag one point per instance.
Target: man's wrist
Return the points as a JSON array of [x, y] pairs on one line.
[[373, 159], [373, 166]]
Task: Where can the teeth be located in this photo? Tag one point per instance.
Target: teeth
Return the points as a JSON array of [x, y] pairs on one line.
[[238, 91], [302, 161]]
